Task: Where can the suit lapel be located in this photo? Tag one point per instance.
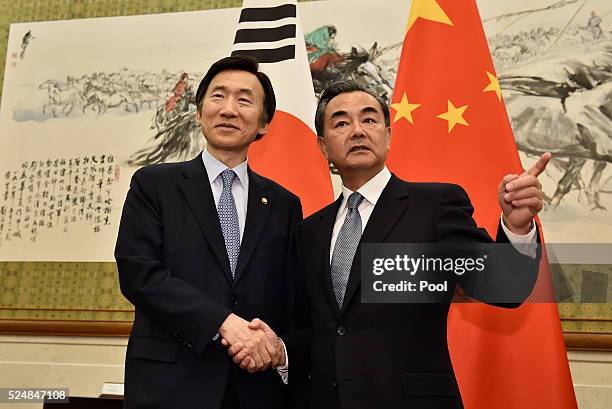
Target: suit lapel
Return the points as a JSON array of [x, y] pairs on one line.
[[258, 211], [198, 194], [390, 207], [327, 221]]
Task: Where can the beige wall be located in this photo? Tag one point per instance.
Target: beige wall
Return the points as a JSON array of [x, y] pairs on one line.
[[592, 377], [83, 364]]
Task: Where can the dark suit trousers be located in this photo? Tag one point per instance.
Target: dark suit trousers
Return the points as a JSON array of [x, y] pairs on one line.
[[230, 396]]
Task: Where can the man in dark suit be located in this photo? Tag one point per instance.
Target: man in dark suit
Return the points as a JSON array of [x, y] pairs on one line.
[[351, 354], [203, 248]]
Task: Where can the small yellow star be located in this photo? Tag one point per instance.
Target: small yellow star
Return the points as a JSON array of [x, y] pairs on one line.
[[403, 109], [454, 116], [428, 10], [493, 85]]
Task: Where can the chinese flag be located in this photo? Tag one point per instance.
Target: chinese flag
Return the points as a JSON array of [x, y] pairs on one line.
[[450, 124], [288, 153]]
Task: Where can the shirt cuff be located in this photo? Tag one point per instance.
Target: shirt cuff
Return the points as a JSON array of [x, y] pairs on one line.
[[523, 243], [283, 371]]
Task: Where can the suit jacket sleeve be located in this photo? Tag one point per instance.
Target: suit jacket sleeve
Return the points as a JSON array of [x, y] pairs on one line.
[[298, 341], [174, 304], [509, 277]]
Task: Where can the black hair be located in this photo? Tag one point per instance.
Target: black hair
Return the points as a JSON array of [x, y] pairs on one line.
[[240, 63]]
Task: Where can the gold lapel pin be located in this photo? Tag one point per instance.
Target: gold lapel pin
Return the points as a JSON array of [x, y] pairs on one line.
[[264, 200]]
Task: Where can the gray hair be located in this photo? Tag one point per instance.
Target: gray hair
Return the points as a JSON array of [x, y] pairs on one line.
[[343, 87]]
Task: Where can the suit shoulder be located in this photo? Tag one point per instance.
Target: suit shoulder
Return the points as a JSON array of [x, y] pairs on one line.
[[435, 189], [161, 173], [161, 169]]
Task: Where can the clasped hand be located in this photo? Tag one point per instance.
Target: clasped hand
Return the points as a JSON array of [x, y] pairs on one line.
[[253, 345]]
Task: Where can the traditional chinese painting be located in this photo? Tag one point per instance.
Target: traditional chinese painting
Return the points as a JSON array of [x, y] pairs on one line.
[[554, 63], [87, 102]]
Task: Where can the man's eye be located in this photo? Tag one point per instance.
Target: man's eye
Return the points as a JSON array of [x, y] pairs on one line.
[[244, 101], [341, 124], [216, 96], [369, 121]]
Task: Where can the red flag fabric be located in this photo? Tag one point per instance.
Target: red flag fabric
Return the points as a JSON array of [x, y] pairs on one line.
[[270, 31], [449, 124]]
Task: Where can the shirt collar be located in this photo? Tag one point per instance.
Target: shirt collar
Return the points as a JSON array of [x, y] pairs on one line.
[[371, 190], [214, 167]]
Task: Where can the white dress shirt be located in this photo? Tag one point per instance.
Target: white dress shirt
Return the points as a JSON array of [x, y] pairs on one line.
[[240, 187]]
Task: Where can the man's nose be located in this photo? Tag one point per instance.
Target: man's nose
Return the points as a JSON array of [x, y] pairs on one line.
[[228, 108], [357, 131]]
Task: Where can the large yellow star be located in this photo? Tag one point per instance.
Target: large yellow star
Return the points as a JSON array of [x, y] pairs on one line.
[[428, 10], [493, 85], [454, 116], [403, 109]]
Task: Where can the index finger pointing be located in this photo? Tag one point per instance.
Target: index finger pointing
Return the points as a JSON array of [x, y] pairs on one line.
[[540, 165]]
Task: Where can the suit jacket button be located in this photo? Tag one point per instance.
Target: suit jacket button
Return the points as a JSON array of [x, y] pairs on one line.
[[234, 300], [334, 384], [341, 331]]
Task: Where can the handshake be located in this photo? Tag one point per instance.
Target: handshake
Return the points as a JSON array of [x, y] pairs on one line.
[[253, 345]]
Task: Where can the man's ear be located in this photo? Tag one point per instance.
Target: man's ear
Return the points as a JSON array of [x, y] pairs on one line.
[[388, 137], [322, 146], [198, 116], [263, 128]]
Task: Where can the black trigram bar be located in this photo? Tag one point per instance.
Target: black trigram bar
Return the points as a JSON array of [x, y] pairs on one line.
[[269, 13], [260, 35], [269, 56]]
